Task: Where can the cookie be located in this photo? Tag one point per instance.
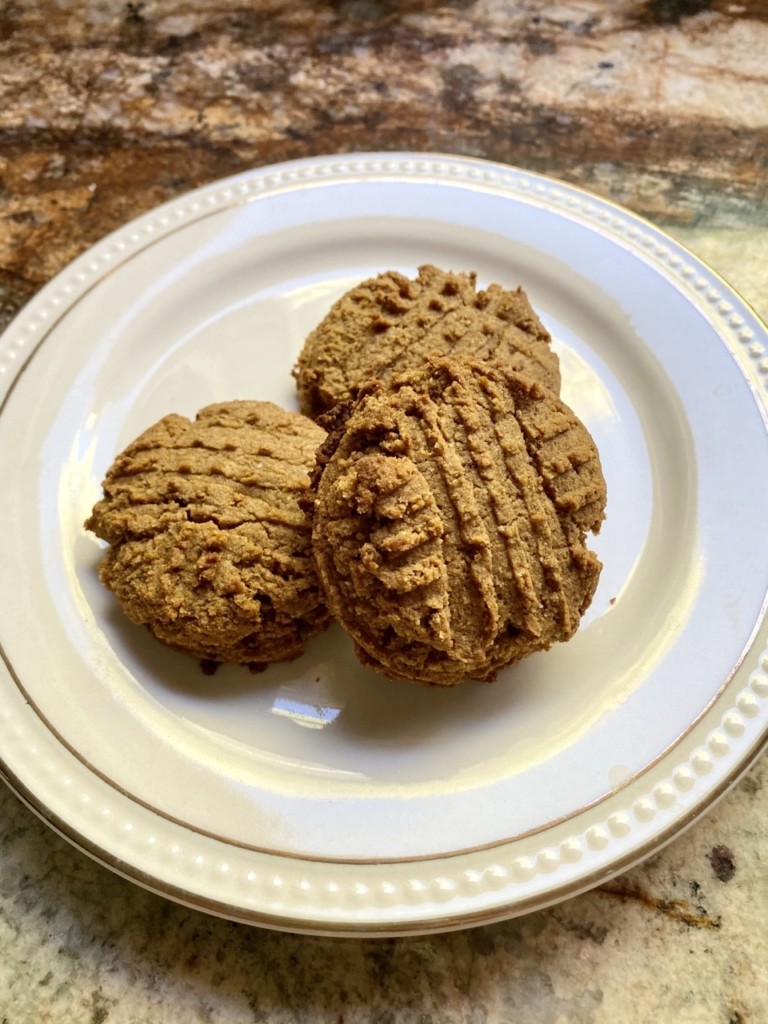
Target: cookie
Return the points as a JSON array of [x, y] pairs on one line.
[[450, 512], [390, 324], [208, 544]]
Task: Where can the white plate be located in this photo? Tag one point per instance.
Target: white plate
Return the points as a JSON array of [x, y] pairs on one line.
[[317, 796]]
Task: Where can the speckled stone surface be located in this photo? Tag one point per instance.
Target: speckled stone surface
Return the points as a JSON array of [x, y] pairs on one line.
[[107, 109]]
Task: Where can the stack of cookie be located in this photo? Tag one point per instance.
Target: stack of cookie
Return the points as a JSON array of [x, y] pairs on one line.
[[441, 520]]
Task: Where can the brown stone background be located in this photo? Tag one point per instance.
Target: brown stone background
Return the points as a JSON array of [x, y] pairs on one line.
[[109, 108]]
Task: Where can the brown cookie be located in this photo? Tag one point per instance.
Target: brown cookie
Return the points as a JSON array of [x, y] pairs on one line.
[[449, 521], [208, 544], [391, 324]]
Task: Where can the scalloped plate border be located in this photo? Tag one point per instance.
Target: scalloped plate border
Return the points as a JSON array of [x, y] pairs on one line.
[[442, 893]]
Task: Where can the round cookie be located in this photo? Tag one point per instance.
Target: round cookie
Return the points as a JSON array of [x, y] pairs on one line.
[[209, 546], [390, 324], [449, 521]]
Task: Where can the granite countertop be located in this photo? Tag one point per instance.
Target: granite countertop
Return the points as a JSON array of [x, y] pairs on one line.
[[106, 110]]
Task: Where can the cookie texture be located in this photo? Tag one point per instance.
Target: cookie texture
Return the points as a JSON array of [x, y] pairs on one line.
[[209, 546], [390, 323], [450, 513]]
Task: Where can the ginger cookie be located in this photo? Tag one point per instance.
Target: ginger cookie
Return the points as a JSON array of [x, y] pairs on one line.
[[209, 546], [390, 324], [450, 514]]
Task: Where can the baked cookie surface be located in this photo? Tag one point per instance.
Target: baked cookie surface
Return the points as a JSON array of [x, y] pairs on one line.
[[390, 323], [208, 544], [449, 521]]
